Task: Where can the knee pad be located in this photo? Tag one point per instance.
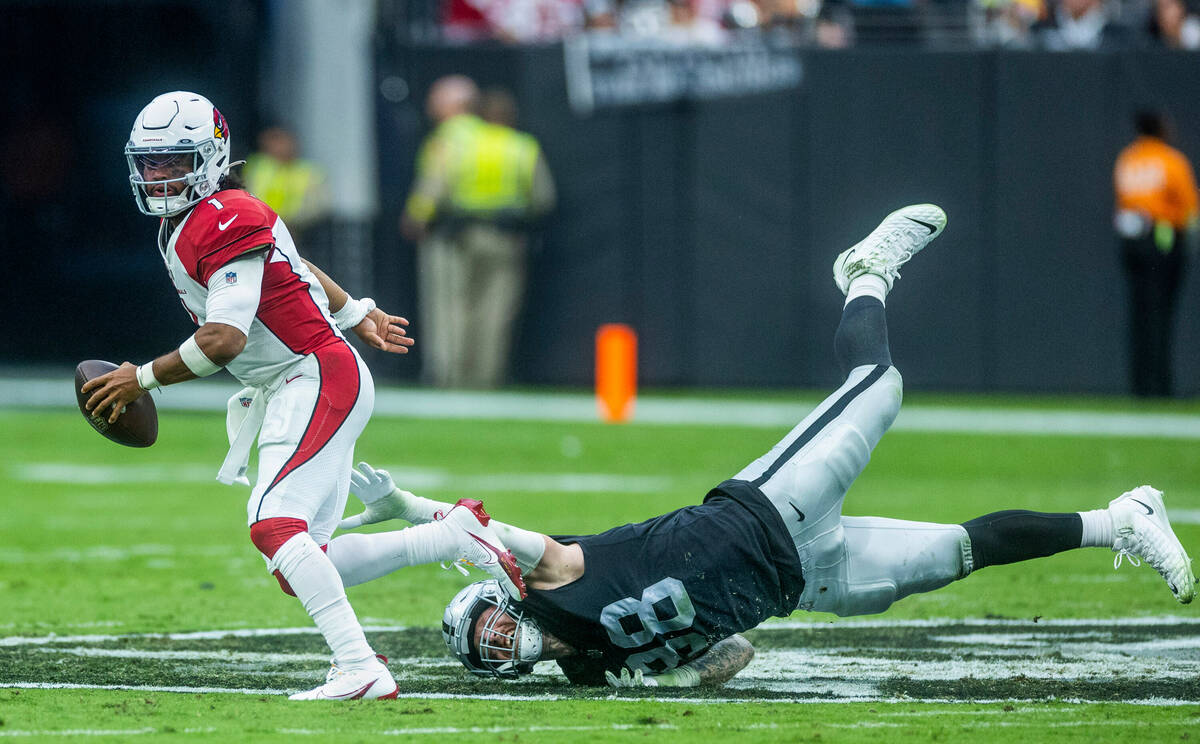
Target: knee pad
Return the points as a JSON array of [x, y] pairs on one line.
[[269, 534], [865, 598]]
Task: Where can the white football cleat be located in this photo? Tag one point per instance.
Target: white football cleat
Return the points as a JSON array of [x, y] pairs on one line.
[[900, 236], [1143, 533], [481, 547], [373, 682]]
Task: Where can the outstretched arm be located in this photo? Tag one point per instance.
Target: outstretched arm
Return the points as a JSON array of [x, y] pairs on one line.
[[376, 328], [539, 557], [717, 666]]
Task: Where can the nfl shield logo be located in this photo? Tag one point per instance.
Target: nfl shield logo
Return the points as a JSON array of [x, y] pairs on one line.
[[231, 277]]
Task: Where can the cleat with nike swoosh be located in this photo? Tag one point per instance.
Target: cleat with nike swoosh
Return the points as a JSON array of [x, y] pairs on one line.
[[900, 236], [1144, 533], [372, 682], [480, 546]]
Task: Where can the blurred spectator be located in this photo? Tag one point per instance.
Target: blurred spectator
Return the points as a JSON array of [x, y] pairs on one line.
[[295, 188], [601, 15], [514, 21], [680, 21], [1156, 212], [480, 188], [1007, 23], [801, 22], [1173, 26], [1080, 25]]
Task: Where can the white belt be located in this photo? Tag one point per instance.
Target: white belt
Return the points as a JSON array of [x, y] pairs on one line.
[[244, 416]]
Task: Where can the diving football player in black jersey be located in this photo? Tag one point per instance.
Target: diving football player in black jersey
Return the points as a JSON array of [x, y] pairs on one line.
[[662, 602]]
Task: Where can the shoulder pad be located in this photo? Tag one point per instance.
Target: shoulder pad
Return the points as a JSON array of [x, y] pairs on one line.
[[221, 228]]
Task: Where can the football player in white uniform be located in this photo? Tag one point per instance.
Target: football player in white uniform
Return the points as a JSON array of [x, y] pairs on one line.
[[275, 322]]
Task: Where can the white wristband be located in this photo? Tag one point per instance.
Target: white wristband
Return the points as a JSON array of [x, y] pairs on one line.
[[145, 376], [353, 312], [194, 358]]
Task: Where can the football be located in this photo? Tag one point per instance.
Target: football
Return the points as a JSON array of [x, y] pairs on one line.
[[136, 427]]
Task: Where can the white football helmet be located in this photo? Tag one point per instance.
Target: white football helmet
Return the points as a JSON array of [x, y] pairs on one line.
[[177, 128], [491, 659]]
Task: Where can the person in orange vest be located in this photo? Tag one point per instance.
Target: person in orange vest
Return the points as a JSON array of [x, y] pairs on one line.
[[1156, 216]]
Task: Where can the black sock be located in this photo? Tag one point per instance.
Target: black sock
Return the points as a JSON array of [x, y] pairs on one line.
[[862, 336], [1018, 535]]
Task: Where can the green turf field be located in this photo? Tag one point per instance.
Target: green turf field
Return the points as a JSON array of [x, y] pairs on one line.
[[119, 567]]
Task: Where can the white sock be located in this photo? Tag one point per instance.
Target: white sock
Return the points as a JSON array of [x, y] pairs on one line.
[[319, 588], [420, 510], [361, 558], [870, 285], [1097, 529], [527, 547]]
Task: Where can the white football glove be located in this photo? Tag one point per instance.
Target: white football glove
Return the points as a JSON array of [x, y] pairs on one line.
[[378, 493], [637, 679]]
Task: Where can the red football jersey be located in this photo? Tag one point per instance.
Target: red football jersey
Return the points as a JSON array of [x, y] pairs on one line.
[[293, 313]]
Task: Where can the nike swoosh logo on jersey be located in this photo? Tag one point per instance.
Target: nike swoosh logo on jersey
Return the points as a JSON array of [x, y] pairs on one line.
[[932, 228], [799, 514], [222, 225], [291, 379], [1144, 506]]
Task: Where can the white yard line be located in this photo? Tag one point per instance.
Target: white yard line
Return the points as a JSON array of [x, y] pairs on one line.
[[581, 407], [1083, 649], [615, 696], [534, 729], [1154, 621], [199, 635], [420, 479], [1125, 622]]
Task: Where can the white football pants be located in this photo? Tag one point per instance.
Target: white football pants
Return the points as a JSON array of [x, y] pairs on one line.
[[852, 565], [306, 444]]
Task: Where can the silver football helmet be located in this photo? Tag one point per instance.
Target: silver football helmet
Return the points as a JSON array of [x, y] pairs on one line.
[[184, 133], [520, 649]]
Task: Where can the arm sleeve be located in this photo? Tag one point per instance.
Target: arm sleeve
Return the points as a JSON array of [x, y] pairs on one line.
[[234, 291]]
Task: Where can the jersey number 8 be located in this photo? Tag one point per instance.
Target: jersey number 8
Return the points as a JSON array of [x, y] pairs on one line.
[[663, 608]]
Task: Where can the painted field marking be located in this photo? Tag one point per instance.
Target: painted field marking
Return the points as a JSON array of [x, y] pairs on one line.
[[1080, 657], [1184, 516], [502, 697], [100, 732], [411, 478], [651, 409]]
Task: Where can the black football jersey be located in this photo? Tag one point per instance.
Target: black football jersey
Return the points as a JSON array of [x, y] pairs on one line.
[[657, 594]]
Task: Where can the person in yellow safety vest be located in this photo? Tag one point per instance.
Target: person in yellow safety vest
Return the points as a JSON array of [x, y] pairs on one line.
[[480, 188], [293, 187]]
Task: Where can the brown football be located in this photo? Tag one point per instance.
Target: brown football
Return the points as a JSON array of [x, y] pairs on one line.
[[136, 427]]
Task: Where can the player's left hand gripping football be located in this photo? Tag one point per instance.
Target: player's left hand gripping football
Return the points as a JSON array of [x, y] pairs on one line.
[[384, 332], [113, 391], [378, 493]]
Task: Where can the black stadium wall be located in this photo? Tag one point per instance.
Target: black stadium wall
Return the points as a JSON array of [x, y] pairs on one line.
[[711, 225]]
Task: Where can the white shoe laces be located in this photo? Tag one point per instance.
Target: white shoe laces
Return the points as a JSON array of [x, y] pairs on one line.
[[1137, 547], [461, 564], [892, 255]]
